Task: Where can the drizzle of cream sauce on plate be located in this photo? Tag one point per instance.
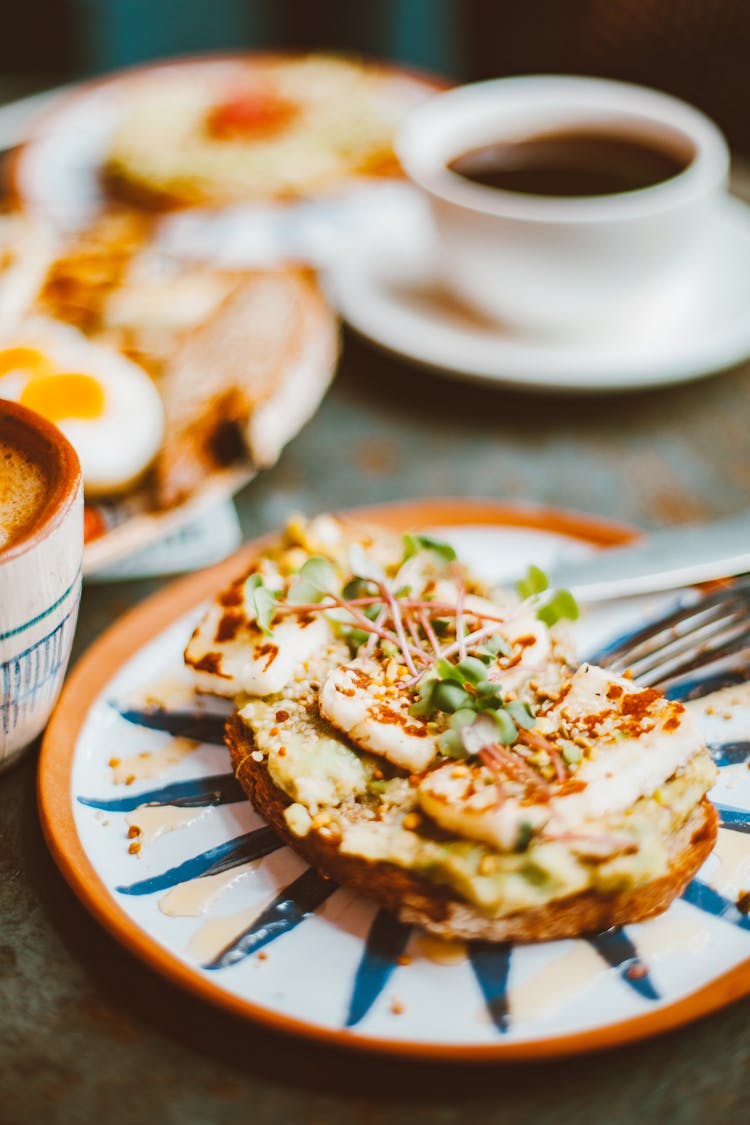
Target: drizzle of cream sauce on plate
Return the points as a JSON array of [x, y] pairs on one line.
[[150, 764], [171, 692], [193, 898], [733, 853], [737, 695], [215, 935], [677, 931], [542, 994], [733, 776], [155, 820]]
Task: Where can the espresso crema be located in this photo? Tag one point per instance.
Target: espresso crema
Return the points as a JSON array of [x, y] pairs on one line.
[[23, 493]]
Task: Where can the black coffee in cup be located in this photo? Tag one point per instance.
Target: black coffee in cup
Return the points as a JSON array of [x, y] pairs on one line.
[[576, 161]]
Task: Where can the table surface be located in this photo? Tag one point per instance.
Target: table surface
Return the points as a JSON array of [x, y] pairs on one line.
[[88, 1032]]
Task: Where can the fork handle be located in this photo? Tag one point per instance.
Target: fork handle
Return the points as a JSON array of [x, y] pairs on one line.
[[661, 560]]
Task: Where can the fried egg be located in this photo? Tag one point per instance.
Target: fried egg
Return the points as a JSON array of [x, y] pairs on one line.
[[107, 406]]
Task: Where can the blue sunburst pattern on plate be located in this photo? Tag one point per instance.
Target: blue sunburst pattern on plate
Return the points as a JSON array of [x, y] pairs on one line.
[[206, 879]]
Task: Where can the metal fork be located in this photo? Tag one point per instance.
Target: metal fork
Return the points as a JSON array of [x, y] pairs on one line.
[[705, 630]]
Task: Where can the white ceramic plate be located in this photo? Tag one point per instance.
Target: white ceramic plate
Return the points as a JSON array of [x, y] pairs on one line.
[[66, 135], [390, 293], [134, 530], [271, 940]]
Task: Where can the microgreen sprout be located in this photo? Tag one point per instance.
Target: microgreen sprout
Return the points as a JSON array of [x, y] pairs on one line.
[[355, 638], [450, 741], [520, 713], [558, 606], [475, 704], [488, 728], [260, 602], [451, 650], [414, 543], [358, 588], [525, 834], [497, 646], [363, 588], [561, 605], [470, 669], [315, 579], [535, 581]]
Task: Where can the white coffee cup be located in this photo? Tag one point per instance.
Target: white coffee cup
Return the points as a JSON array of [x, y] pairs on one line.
[[40, 580], [564, 265]]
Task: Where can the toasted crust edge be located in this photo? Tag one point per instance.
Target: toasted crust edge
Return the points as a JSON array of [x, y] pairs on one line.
[[415, 899], [255, 415]]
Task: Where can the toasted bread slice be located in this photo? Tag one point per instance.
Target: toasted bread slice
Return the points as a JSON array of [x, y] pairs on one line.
[[414, 898], [241, 357], [245, 380]]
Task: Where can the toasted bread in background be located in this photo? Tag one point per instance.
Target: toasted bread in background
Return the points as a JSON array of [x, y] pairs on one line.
[[114, 282], [241, 357], [415, 899], [249, 376], [89, 266]]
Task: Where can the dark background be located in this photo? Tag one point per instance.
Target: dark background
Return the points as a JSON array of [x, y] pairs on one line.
[[698, 49]]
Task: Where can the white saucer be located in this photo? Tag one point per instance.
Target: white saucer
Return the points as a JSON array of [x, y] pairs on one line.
[[391, 295]]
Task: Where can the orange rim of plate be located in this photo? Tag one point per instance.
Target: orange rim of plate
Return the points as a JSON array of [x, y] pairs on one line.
[[140, 625]]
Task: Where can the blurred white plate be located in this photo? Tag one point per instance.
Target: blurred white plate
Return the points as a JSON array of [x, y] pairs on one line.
[[205, 540], [65, 136], [131, 529]]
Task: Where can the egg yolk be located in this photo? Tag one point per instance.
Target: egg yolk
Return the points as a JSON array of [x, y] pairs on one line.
[[64, 396], [28, 360]]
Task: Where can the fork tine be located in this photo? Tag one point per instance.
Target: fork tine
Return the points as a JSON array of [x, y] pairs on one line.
[[667, 673], [654, 635], [697, 635], [706, 635]]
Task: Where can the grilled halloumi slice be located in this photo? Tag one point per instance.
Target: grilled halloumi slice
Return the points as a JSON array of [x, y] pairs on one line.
[[358, 699], [638, 741], [230, 654]]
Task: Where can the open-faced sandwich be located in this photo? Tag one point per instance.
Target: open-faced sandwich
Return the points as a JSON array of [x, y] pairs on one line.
[[433, 744], [273, 127]]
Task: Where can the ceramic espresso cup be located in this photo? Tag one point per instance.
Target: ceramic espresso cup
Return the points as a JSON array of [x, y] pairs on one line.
[[41, 547], [565, 264]]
